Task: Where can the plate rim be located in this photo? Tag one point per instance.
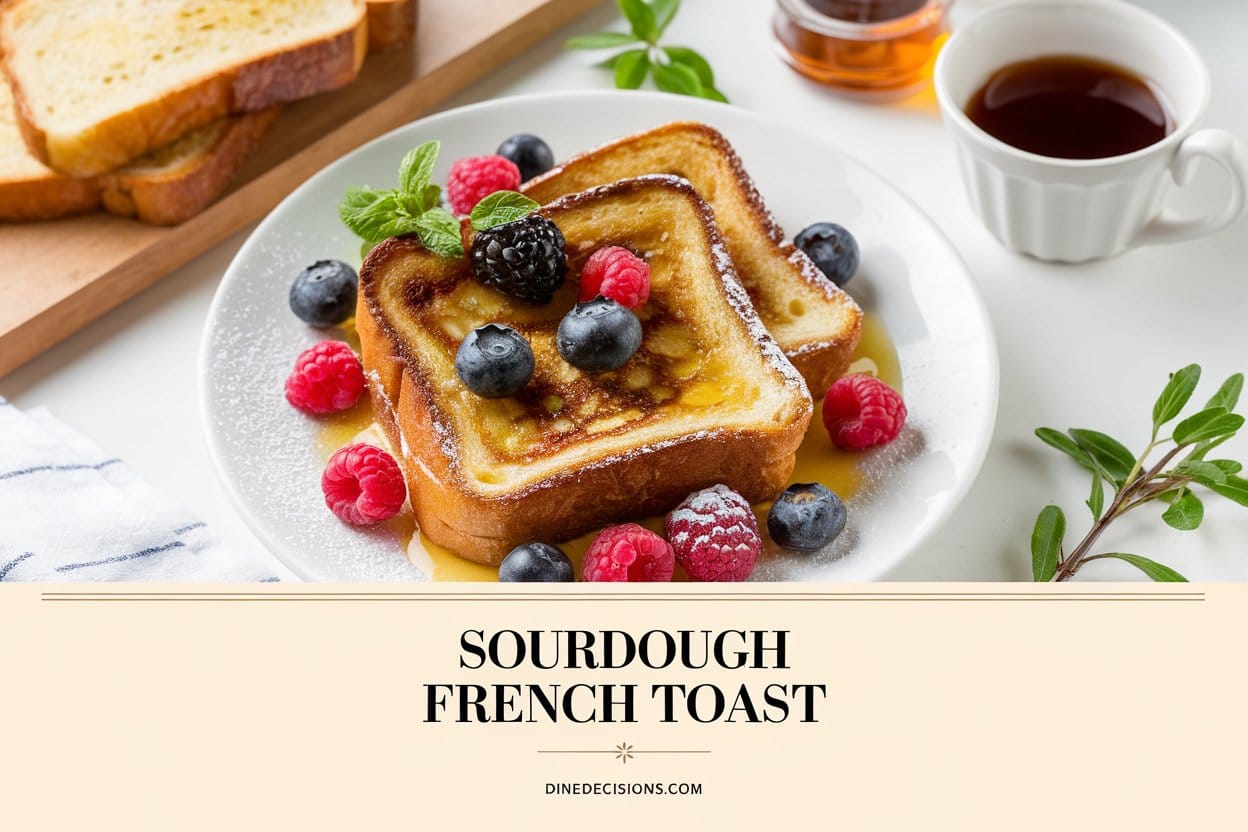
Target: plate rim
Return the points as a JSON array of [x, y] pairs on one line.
[[991, 354]]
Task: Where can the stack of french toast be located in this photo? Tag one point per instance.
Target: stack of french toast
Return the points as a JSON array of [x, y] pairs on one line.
[[148, 108], [738, 328]]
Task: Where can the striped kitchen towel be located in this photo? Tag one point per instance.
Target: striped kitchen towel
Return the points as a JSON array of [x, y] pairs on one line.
[[70, 512]]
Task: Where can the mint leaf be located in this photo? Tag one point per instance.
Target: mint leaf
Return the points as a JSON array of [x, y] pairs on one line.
[[664, 11], [1186, 513], [1228, 394], [1176, 395], [631, 68], [1151, 568], [501, 207], [677, 78], [1046, 543], [439, 232], [1066, 445], [640, 17], [416, 169], [1109, 453], [687, 57], [366, 212], [1207, 425], [600, 40]]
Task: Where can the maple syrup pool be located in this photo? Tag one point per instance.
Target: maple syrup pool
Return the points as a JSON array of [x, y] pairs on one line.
[[818, 460]]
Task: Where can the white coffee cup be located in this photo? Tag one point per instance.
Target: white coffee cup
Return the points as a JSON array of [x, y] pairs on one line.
[[1080, 209]]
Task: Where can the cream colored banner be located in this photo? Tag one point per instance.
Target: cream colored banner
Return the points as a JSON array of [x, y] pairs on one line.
[[967, 707]]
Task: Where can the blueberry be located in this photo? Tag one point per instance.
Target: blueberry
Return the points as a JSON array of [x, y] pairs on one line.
[[806, 517], [531, 154], [324, 293], [494, 361], [535, 562], [598, 335], [834, 250]]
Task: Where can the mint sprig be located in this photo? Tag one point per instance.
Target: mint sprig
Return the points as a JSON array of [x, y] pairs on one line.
[[412, 208], [1137, 481], [500, 207], [675, 69]]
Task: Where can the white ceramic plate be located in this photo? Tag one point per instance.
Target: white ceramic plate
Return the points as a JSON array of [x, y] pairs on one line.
[[267, 453]]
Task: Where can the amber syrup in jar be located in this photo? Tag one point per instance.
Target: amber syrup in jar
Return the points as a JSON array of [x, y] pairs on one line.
[[880, 48]]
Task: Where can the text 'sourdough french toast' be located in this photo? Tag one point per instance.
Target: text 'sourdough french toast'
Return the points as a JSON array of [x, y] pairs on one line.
[[708, 398], [100, 83], [814, 321]]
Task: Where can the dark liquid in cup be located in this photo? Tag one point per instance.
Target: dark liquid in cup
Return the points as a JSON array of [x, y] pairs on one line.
[[1071, 108], [867, 11]]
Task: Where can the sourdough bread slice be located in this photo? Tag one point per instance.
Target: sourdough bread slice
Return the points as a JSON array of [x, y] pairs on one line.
[[99, 84], [391, 24]]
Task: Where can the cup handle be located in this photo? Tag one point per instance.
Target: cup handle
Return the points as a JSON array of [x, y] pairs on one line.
[[1222, 147]]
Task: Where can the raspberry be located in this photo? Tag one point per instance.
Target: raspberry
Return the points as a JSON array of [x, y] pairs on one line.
[[629, 553], [616, 273], [363, 485], [327, 378], [860, 412], [715, 535], [473, 179]]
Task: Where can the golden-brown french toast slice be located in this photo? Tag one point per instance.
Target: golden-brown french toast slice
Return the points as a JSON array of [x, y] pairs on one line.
[[708, 398], [814, 321]]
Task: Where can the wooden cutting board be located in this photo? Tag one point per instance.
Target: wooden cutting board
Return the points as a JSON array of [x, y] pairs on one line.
[[56, 277]]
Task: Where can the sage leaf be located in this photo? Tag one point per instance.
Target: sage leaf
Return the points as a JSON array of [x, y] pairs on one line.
[[600, 40], [1096, 501], [1228, 394], [1235, 489], [640, 17], [677, 78], [1176, 395], [416, 169], [664, 11], [1186, 513], [631, 68], [501, 207], [1205, 473], [1066, 445], [1227, 466], [1151, 568], [1046, 543], [1109, 453], [1207, 425]]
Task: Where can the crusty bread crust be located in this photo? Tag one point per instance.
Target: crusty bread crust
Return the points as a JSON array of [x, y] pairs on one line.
[[756, 461], [391, 24], [170, 196], [268, 80], [47, 198], [764, 257]]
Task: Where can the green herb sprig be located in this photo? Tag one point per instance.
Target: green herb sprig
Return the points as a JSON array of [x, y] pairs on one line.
[[1137, 481], [676, 69], [415, 208]]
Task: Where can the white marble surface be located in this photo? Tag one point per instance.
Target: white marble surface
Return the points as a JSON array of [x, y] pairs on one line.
[[1085, 346]]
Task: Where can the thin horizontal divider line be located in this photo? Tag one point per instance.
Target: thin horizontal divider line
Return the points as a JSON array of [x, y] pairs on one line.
[[692, 599], [600, 596]]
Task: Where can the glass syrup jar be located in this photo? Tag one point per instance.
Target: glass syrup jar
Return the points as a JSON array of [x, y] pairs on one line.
[[883, 48]]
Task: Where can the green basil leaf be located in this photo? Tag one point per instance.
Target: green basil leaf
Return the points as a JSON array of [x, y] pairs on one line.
[[1186, 513], [1176, 395], [1109, 453], [417, 168], [600, 40], [664, 11], [677, 78], [1096, 501], [687, 57], [439, 232], [1066, 445], [713, 94], [1228, 394], [1046, 543], [1207, 425], [1235, 489], [631, 68], [640, 17], [1204, 473], [501, 207], [1149, 567]]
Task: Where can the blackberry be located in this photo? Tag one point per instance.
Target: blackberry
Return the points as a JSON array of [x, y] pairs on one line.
[[524, 258]]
